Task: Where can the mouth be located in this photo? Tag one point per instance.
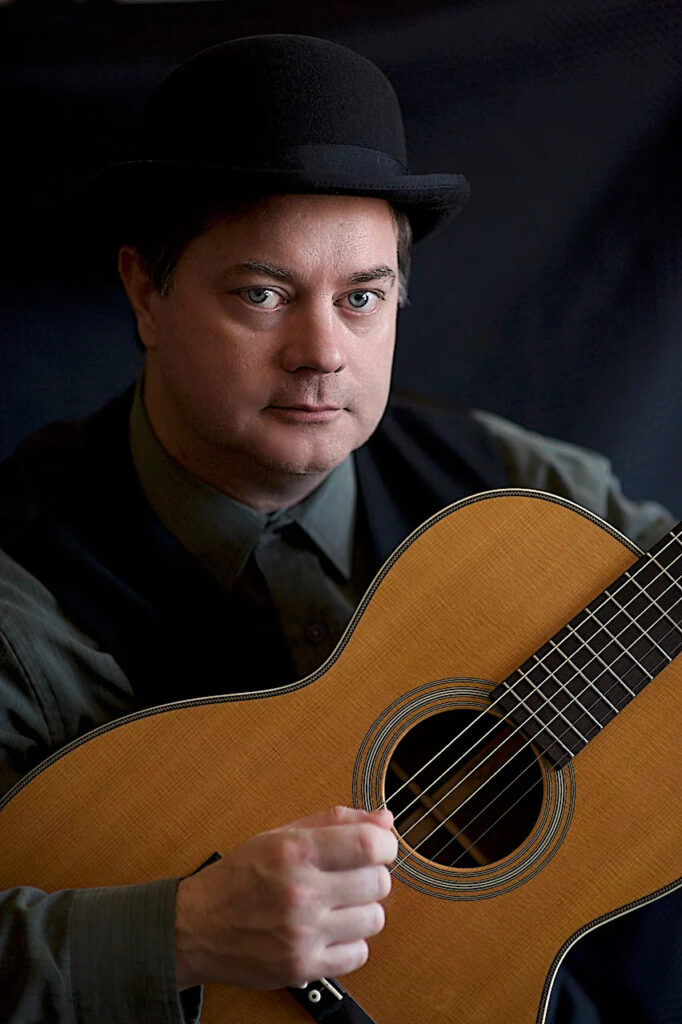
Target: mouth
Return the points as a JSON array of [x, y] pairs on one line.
[[304, 413]]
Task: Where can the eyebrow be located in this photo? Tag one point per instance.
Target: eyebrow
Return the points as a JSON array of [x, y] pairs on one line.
[[283, 274], [271, 269], [374, 274]]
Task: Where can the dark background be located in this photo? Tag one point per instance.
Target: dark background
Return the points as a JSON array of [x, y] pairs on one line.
[[555, 299]]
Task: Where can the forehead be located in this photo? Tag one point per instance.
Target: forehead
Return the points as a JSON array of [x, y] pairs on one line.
[[308, 231]]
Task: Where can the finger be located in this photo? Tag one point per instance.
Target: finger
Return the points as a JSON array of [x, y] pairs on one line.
[[354, 846], [353, 923], [343, 958], [356, 887], [341, 815]]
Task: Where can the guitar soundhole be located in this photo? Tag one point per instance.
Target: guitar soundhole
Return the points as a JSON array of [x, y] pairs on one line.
[[479, 798]]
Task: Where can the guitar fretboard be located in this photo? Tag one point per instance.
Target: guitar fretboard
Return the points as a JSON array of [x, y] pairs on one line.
[[567, 691]]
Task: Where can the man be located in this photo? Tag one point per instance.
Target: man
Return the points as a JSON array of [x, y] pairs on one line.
[[263, 241]]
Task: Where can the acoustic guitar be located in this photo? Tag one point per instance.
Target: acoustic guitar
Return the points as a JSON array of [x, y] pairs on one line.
[[508, 688]]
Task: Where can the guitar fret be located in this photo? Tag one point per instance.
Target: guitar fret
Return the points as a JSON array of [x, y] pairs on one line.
[[575, 674], [553, 704], [662, 588], [656, 605], [594, 663], [581, 676], [667, 551], [590, 659], [599, 639], [627, 630], [531, 717], [582, 689], [625, 645], [625, 650], [650, 618], [569, 689]]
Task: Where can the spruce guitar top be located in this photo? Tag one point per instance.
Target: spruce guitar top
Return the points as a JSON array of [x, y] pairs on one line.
[[509, 687]]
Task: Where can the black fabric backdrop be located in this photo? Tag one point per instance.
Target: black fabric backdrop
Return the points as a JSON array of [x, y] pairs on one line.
[[554, 299]]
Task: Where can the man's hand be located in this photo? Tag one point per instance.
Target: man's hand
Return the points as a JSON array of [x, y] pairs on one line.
[[287, 906]]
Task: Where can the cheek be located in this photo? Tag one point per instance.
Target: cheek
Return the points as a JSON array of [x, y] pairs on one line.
[[376, 372], [207, 362], [373, 382]]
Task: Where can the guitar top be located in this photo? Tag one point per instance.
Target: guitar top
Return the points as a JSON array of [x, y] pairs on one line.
[[503, 687]]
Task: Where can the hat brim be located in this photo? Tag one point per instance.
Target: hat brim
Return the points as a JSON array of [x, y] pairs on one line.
[[113, 206]]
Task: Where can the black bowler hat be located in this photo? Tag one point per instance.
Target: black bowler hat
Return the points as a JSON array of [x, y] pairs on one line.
[[265, 115]]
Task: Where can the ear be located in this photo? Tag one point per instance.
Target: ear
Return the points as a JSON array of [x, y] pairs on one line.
[[141, 293]]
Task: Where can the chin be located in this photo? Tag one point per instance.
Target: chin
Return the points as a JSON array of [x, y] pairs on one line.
[[306, 456], [288, 463], [312, 467]]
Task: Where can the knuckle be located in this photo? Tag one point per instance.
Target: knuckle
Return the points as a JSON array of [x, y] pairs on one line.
[[293, 936], [367, 842], [298, 969], [292, 851], [339, 813], [295, 897], [286, 850], [278, 850]]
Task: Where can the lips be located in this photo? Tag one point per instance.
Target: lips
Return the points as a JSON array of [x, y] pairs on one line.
[[304, 413], [311, 408]]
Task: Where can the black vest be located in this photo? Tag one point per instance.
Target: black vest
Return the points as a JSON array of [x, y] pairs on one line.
[[73, 513]]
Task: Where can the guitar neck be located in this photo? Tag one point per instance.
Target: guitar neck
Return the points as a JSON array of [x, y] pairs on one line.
[[569, 689]]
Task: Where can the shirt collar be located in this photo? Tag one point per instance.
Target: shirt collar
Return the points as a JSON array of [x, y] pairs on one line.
[[328, 516], [220, 531]]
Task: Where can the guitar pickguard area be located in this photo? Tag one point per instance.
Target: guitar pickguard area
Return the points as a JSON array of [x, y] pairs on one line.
[[477, 809]]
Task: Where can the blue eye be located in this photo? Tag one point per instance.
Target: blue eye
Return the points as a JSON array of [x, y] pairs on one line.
[[266, 297], [359, 300]]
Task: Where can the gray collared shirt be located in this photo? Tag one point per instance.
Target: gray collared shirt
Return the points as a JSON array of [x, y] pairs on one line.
[[298, 560]]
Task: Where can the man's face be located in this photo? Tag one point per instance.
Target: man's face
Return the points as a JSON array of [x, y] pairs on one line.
[[271, 354]]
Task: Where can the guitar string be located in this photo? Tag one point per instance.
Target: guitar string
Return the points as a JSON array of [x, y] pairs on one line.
[[551, 675], [662, 662], [536, 782], [476, 841], [506, 811], [545, 726], [645, 563], [540, 662], [519, 729], [464, 828]]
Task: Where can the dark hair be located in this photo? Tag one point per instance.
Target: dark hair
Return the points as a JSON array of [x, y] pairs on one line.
[[161, 243]]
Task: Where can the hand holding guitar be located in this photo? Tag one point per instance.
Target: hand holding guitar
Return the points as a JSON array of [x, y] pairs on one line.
[[287, 906]]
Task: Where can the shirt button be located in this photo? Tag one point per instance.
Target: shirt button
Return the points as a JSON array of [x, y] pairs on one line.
[[314, 633]]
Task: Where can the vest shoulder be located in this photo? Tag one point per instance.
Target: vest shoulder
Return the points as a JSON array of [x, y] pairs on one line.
[[55, 465], [443, 448], [431, 423], [405, 404]]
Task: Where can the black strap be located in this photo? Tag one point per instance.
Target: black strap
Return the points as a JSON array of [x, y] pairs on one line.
[[326, 1000]]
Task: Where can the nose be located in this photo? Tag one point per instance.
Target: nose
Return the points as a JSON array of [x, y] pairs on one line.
[[314, 342]]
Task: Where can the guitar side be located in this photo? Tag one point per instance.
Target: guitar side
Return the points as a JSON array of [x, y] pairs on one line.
[[469, 596]]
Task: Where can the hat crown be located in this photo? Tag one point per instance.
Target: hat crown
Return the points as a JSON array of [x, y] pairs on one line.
[[258, 116], [255, 101]]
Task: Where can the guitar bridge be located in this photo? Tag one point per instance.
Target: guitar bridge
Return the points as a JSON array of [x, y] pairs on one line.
[[326, 1000]]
